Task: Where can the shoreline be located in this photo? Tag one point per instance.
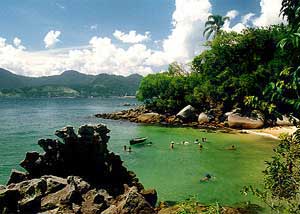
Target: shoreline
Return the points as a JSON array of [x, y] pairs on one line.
[[147, 117], [272, 132]]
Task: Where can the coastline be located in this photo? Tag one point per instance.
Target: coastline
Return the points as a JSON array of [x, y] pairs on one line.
[[144, 116], [272, 132]]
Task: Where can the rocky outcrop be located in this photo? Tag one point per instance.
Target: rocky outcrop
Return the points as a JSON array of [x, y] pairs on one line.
[[235, 120], [187, 113], [75, 175]]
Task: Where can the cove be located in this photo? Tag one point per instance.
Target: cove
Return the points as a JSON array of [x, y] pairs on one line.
[[175, 174]]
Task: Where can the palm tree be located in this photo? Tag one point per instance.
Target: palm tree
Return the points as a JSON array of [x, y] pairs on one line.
[[214, 25]]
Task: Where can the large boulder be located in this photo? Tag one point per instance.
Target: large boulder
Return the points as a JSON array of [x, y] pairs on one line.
[[149, 118], [187, 113], [237, 121], [131, 202], [203, 118]]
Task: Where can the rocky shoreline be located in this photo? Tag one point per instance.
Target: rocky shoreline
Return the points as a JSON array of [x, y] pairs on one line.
[[77, 175], [233, 122]]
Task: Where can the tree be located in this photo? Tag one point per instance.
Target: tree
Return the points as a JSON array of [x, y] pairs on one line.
[[214, 25]]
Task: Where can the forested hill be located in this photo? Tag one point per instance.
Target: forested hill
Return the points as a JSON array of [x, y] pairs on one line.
[[70, 83]]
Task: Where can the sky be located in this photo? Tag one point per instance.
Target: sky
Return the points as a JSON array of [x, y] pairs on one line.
[[42, 38]]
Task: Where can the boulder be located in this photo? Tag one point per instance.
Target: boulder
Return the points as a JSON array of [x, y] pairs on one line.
[[286, 121], [203, 118], [187, 113], [150, 195], [17, 177], [149, 118], [131, 202], [238, 121]]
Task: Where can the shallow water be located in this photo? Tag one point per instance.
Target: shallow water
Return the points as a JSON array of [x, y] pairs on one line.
[[175, 174]]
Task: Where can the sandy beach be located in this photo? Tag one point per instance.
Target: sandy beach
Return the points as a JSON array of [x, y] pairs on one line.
[[272, 132]]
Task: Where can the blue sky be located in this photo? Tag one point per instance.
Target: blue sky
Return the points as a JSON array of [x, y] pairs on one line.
[[37, 31]]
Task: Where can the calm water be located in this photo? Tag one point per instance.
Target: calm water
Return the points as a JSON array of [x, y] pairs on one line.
[[174, 173]]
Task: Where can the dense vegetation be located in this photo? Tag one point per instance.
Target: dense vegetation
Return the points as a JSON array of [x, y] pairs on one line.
[[247, 71], [68, 84]]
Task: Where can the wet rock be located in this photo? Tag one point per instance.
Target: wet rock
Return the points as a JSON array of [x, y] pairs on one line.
[[187, 113], [17, 177]]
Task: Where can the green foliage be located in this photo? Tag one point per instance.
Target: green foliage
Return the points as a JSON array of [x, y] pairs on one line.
[[214, 209], [239, 70], [188, 207], [282, 177], [214, 25]]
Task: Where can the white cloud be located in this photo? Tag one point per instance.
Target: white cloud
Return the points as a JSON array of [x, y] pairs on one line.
[[270, 10], [17, 41], [186, 37], [131, 37], [232, 14], [51, 38], [94, 27], [239, 27], [247, 18]]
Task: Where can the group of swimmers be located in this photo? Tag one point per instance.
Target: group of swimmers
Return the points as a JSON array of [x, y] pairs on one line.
[[127, 150]]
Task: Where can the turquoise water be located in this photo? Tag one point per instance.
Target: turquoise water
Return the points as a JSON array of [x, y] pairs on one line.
[[173, 173]]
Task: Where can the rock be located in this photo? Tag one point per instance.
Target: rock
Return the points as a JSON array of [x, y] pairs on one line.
[[203, 118], [187, 113], [286, 121], [17, 177], [150, 195], [237, 121], [149, 118], [54, 183], [97, 183], [131, 202]]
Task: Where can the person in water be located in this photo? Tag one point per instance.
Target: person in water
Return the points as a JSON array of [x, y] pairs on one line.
[[196, 141], [129, 149], [200, 146], [172, 145], [232, 147], [207, 177], [125, 148]]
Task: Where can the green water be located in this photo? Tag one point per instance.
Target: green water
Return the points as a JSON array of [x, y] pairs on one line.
[[175, 174]]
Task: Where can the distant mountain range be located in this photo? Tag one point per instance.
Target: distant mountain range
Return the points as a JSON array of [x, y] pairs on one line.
[[68, 84]]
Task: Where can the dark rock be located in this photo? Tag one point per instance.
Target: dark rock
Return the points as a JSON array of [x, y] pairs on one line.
[[9, 200], [17, 177], [150, 195]]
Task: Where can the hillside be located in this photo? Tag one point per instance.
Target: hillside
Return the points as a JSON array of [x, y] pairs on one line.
[[68, 84]]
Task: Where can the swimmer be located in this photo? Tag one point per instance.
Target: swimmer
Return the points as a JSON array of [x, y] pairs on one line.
[[196, 141], [200, 146], [232, 148], [186, 143], [207, 177], [172, 145], [124, 147], [129, 149]]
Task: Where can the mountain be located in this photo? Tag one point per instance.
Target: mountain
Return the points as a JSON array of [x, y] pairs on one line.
[[69, 83]]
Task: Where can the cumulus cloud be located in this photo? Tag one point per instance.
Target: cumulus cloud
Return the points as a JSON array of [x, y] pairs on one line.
[[186, 37], [51, 38], [94, 27], [232, 14], [131, 37], [246, 19], [270, 10]]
